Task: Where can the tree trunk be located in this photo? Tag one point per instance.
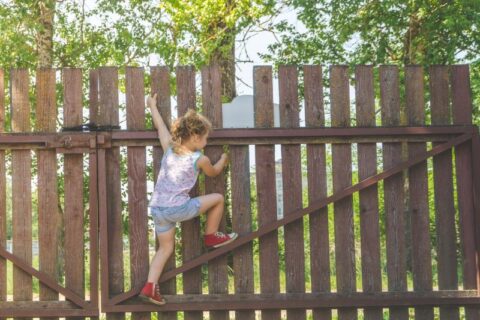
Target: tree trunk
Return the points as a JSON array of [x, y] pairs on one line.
[[226, 62], [45, 12], [224, 55]]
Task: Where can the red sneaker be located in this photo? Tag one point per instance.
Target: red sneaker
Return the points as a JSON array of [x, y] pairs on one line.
[[219, 239], [151, 293]]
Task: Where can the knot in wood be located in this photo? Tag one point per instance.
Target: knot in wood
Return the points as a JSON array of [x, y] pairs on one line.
[[67, 141]]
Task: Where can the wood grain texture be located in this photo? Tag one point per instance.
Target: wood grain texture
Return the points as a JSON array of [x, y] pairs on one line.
[[191, 235], [443, 191], [21, 186], [367, 166], [393, 190], [212, 109], [49, 217], [137, 184], [108, 114], [292, 187], [3, 194], [160, 84], [342, 178], [242, 224], [74, 219], [462, 114], [418, 191], [266, 187], [317, 188]]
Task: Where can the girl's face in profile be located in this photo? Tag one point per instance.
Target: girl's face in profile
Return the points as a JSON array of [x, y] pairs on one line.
[[200, 141]]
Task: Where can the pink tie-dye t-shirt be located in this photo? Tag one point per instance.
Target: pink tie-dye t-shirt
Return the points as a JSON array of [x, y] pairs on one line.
[[178, 174]]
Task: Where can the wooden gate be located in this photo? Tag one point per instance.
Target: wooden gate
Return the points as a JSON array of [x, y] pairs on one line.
[[356, 236], [54, 214]]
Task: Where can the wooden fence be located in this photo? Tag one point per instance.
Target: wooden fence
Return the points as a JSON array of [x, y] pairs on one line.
[[358, 237]]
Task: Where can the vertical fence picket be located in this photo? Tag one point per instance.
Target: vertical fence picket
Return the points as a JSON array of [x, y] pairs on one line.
[[443, 186], [212, 108], [317, 188], [342, 178], [74, 220], [109, 115], [242, 224], [292, 187], [3, 195], [21, 186], [393, 190], [160, 84], [48, 215], [462, 114], [137, 184], [93, 211], [418, 192], [191, 238], [367, 166], [266, 187]]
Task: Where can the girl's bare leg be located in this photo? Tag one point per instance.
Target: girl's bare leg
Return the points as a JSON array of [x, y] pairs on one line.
[[166, 242], [213, 203]]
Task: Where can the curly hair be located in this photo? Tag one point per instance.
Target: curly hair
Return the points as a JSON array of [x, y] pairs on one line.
[[188, 125]]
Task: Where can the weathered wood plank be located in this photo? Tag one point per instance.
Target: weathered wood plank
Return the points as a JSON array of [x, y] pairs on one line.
[[3, 195], [21, 185], [292, 186], [160, 84], [93, 189], [443, 194], [310, 300], [367, 166], [212, 108], [393, 190], [317, 189], [137, 184], [462, 114], [108, 114], [242, 224], [418, 191], [266, 187], [191, 236], [48, 215], [74, 220], [342, 178]]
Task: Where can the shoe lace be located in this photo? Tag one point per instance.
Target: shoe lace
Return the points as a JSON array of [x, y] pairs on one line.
[[220, 234], [157, 290]]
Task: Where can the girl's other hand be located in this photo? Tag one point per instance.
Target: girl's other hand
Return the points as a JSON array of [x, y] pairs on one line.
[[152, 100], [224, 157]]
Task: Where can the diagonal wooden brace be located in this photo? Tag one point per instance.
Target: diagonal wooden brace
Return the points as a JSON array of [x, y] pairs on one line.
[[45, 279], [315, 206]]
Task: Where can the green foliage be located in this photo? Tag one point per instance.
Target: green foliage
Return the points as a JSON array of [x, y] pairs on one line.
[[128, 32], [17, 39], [382, 32], [379, 32]]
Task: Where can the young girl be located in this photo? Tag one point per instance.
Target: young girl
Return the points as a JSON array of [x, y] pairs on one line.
[[170, 202]]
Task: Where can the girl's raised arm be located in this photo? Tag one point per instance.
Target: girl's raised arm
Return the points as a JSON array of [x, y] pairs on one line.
[[163, 133]]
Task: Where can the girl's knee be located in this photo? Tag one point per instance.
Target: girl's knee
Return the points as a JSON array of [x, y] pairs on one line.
[[219, 197]]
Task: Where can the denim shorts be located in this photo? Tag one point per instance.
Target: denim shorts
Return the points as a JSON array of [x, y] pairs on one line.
[[165, 218]]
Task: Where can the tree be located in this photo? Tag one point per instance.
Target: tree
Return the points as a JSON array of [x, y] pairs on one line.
[[197, 32], [70, 33], [424, 32], [361, 32]]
